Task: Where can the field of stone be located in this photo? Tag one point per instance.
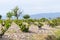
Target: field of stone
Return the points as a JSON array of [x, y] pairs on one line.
[[25, 30]]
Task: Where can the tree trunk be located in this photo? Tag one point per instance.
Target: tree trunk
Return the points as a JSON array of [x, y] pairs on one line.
[[17, 18]]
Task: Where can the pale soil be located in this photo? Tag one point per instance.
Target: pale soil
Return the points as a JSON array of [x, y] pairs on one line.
[[14, 33]]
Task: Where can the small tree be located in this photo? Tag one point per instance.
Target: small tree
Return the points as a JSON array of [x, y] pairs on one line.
[[26, 16], [9, 15], [16, 12], [0, 16]]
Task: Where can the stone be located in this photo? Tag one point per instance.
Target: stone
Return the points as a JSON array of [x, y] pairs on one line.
[[13, 31], [33, 28]]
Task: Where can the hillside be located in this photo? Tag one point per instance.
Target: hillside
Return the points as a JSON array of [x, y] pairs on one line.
[[46, 15]]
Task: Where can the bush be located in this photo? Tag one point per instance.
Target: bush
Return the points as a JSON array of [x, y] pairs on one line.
[[57, 33], [18, 21], [35, 23], [8, 21], [40, 25], [43, 20], [7, 25], [24, 29], [1, 21], [2, 33], [52, 24], [20, 24]]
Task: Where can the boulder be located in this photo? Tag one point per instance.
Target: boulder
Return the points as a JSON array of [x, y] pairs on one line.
[[33, 28]]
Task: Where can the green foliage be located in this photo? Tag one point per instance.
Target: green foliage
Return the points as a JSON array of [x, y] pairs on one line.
[[55, 22], [23, 28], [1, 21], [9, 15], [58, 21], [57, 33], [16, 13], [3, 31], [15, 10], [7, 23], [18, 21], [6, 26], [20, 24], [26, 16], [52, 24], [40, 25], [43, 20], [31, 20]]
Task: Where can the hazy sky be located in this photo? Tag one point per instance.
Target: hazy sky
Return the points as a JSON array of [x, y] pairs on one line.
[[30, 6]]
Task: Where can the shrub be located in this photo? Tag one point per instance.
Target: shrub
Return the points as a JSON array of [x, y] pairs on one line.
[[43, 20], [57, 33], [20, 24], [8, 21], [26, 16], [7, 25], [52, 24], [18, 21], [40, 25], [35, 23], [24, 29], [2, 33], [1, 21]]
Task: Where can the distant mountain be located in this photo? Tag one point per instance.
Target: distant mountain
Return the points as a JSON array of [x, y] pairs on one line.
[[38, 16], [45, 15]]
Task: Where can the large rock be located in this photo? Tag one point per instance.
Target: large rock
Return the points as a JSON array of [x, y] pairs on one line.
[[33, 28], [12, 32], [1, 28]]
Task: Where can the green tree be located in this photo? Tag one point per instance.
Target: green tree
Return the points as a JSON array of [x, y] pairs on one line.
[[0, 16], [26, 16], [16, 12], [9, 15]]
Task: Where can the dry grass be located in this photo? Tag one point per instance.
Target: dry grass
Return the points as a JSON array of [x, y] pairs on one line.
[[39, 36]]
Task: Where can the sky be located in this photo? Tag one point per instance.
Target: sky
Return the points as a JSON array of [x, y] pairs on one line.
[[30, 6]]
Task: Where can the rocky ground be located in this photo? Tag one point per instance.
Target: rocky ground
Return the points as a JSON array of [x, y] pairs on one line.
[[14, 33]]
